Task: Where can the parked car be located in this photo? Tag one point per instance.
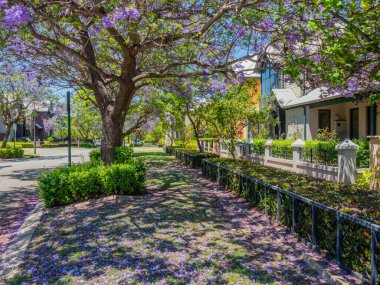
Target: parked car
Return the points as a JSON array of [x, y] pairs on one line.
[[97, 143]]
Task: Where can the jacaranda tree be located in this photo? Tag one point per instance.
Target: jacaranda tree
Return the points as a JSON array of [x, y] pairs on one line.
[[330, 43], [116, 48]]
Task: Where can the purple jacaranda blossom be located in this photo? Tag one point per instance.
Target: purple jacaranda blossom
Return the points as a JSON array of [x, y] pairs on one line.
[[317, 58], [267, 24], [241, 33], [3, 3], [15, 16], [352, 85], [107, 23], [120, 14], [133, 13]]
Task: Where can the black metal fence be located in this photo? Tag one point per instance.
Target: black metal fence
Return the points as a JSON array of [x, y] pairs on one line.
[[320, 155], [194, 160], [352, 241]]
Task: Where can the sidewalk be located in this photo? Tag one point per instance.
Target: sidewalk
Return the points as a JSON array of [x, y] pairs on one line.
[[186, 230]]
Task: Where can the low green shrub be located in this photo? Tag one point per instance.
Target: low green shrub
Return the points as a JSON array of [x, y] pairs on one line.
[[364, 179], [320, 152], [11, 152], [86, 145], [53, 145], [362, 154], [282, 148], [258, 146], [66, 185], [123, 154], [138, 144], [348, 198], [20, 144]]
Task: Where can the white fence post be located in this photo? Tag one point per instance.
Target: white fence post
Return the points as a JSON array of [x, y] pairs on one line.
[[347, 162], [297, 146], [267, 146]]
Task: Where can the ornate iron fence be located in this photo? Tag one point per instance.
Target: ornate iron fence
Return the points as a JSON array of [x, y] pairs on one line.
[[351, 240]]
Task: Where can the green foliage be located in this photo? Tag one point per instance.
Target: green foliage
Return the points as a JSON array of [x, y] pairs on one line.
[[327, 135], [66, 185], [282, 148], [11, 152], [51, 145], [20, 144], [123, 154], [149, 138], [347, 198], [227, 113], [86, 145], [364, 179], [362, 154], [49, 140], [320, 152], [137, 144], [258, 146]]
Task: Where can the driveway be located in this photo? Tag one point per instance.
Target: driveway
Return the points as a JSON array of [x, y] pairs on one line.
[[18, 177]]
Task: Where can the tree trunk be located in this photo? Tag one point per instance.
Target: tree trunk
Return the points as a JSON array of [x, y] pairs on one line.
[[112, 134], [7, 133]]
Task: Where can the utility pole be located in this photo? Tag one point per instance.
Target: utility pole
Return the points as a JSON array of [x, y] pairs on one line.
[[34, 128], [69, 126]]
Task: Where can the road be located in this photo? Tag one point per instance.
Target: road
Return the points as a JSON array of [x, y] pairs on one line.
[[18, 177]]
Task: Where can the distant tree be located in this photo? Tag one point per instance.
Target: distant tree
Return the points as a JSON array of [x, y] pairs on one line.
[[227, 113], [18, 92]]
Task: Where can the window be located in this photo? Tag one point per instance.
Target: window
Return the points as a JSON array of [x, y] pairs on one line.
[[270, 77], [324, 119], [371, 120], [354, 123]]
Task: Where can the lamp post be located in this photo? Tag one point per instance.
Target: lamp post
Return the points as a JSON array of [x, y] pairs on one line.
[[69, 126], [34, 129]]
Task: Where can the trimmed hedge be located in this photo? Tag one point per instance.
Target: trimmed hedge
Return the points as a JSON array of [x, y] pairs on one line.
[[86, 145], [282, 148], [356, 239], [54, 145], [346, 198], [191, 157], [320, 152], [66, 185], [362, 154], [11, 152], [123, 154], [21, 144], [258, 146]]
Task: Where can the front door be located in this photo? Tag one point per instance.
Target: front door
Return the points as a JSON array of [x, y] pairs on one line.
[[354, 123]]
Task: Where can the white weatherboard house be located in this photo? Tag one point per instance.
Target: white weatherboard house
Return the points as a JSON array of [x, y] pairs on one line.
[[307, 113]]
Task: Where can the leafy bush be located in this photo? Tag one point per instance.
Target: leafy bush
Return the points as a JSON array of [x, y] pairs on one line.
[[11, 152], [258, 146], [20, 144], [348, 198], [191, 157], [137, 144], [123, 154], [51, 145], [320, 152], [86, 145], [50, 140], [364, 179], [66, 185], [282, 148], [362, 154]]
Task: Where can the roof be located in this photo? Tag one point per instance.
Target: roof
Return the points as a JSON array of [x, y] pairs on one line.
[[287, 99]]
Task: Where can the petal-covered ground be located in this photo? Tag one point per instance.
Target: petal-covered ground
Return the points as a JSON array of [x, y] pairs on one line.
[[185, 230], [12, 220]]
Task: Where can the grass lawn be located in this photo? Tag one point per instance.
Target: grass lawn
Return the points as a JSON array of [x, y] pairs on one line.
[[185, 230]]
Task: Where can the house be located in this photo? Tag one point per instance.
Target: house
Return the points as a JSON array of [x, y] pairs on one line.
[[302, 113], [42, 123]]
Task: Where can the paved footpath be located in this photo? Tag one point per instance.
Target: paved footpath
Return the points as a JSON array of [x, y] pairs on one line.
[[185, 230], [18, 184]]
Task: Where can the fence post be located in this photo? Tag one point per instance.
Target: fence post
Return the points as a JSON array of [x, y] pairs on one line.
[[294, 214], [374, 272], [339, 239], [278, 206], [297, 147], [267, 152], [347, 162], [314, 217]]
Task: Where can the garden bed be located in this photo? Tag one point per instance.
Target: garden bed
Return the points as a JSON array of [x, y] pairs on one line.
[[335, 217], [191, 157]]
